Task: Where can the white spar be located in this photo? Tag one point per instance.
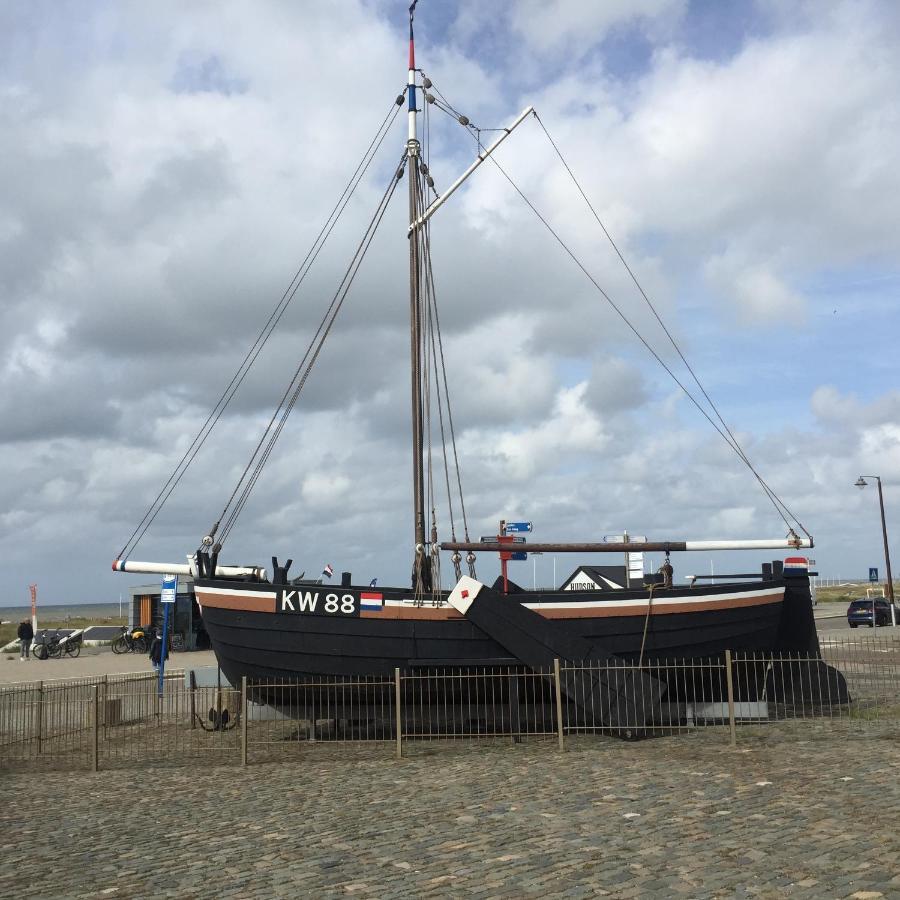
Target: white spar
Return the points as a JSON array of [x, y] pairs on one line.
[[773, 544], [189, 568], [437, 204]]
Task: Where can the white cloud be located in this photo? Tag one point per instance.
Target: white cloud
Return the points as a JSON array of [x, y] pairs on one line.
[[546, 24], [163, 171]]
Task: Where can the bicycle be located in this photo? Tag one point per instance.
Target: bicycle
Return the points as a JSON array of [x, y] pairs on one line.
[[54, 647], [134, 641]]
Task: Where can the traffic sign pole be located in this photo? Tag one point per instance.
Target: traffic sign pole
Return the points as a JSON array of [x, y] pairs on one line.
[[167, 599]]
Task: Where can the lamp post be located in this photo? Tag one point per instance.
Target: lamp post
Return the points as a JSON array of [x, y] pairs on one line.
[[861, 483]]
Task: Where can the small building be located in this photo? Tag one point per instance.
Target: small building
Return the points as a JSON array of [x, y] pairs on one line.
[[185, 619]]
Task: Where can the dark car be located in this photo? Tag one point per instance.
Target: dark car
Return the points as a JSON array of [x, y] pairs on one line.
[[860, 613]]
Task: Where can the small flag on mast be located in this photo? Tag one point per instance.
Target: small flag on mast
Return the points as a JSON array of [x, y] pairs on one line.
[[328, 571]]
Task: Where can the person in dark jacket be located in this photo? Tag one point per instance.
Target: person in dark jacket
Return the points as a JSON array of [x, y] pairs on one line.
[[26, 635]]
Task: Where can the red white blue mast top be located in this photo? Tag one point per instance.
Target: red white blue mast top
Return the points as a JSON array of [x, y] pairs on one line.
[[411, 82]]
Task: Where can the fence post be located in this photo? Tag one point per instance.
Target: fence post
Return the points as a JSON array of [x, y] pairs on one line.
[[95, 755], [559, 714], [105, 706], [729, 682], [193, 683], [243, 720], [40, 716], [398, 713]]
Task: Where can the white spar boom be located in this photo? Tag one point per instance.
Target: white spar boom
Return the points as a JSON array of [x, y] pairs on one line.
[[481, 158], [153, 568]]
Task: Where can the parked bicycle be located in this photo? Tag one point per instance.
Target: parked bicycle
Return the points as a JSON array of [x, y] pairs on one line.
[[53, 646], [137, 640]]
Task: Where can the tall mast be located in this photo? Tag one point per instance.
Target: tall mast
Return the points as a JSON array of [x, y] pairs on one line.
[[421, 570]]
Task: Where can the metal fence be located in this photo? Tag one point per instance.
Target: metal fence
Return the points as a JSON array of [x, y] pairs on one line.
[[123, 720]]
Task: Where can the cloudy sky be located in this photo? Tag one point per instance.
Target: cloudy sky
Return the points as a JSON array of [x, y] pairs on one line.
[[166, 166]]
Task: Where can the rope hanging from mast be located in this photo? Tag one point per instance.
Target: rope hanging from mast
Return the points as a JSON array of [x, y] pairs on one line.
[[720, 426], [244, 487], [265, 332]]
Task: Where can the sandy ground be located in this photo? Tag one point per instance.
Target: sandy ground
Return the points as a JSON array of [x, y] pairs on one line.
[[93, 661]]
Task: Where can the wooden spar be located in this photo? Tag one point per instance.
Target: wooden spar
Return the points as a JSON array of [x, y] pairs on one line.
[[636, 546]]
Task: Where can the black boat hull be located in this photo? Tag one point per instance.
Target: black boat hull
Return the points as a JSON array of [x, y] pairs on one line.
[[267, 644]]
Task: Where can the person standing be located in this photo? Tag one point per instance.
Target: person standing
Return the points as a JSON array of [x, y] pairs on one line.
[[26, 636]]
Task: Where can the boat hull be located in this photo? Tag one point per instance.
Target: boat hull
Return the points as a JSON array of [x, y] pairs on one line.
[[256, 634]]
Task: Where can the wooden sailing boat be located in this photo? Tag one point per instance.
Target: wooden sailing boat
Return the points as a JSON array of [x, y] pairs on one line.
[[264, 625]]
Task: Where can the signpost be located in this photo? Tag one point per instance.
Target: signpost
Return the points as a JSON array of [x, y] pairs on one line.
[[167, 599], [873, 575], [518, 527]]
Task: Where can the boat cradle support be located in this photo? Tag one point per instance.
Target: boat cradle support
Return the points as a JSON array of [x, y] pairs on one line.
[[626, 704]]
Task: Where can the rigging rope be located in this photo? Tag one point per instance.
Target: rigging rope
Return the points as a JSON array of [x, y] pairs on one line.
[[265, 332], [724, 431], [244, 487], [733, 439]]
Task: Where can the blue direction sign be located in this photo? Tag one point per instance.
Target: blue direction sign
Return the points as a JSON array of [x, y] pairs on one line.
[[518, 555], [512, 527], [873, 575], [169, 589]]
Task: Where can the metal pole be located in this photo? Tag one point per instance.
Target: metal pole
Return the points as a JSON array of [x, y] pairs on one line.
[[559, 714], [887, 555], [193, 682], [730, 686], [40, 716], [95, 755], [243, 720], [398, 724], [164, 649]]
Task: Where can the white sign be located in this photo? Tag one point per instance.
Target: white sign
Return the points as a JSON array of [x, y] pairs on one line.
[[169, 589]]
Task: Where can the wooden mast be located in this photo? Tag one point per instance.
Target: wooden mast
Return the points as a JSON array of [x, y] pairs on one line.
[[420, 575]]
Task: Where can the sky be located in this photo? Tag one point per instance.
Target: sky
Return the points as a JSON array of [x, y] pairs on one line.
[[167, 166]]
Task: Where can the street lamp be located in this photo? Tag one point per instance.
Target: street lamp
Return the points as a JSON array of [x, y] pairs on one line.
[[861, 483]]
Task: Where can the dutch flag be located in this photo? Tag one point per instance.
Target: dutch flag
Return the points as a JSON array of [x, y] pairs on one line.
[[328, 571], [371, 601]]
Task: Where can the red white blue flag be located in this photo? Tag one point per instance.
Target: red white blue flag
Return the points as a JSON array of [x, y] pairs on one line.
[[328, 571], [368, 600]]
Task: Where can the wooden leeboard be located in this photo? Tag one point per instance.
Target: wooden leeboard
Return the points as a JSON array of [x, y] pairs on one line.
[[616, 697]]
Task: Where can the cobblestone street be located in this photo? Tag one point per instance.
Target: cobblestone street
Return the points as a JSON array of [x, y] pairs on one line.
[[802, 815]]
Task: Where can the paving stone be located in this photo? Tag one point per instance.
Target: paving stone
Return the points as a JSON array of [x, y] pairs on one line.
[[486, 820]]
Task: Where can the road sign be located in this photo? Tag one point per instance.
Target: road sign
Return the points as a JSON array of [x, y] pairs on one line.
[[518, 555], [873, 575], [512, 527], [169, 587]]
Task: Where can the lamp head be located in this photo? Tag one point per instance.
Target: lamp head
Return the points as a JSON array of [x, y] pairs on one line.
[[860, 482]]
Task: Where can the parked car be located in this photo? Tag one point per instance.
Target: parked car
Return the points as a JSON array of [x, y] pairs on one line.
[[860, 613]]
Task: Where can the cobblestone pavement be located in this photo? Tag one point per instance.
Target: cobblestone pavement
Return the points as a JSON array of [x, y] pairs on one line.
[[781, 816]]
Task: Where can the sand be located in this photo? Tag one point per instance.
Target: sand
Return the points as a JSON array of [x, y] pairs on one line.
[[93, 661]]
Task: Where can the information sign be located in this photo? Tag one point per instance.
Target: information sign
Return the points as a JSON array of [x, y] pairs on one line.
[[513, 527], [873, 575], [169, 588]]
